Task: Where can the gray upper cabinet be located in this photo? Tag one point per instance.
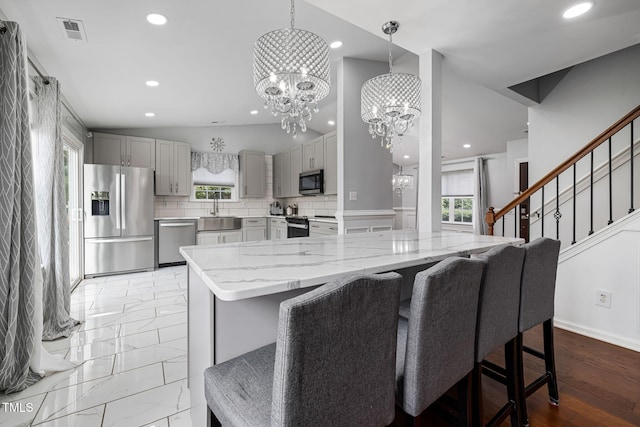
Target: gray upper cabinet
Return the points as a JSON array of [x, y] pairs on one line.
[[140, 152], [121, 150], [331, 163], [296, 168], [253, 174], [313, 154], [281, 171], [173, 168]]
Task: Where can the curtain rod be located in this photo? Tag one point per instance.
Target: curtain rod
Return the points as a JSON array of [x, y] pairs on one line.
[[45, 78]]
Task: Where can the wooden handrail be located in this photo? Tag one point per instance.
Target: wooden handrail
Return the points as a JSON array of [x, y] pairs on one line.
[[493, 216]]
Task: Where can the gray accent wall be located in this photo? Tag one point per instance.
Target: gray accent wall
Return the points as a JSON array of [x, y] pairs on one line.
[[591, 97], [363, 166]]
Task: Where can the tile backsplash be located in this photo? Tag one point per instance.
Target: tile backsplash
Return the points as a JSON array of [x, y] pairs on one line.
[[171, 206]]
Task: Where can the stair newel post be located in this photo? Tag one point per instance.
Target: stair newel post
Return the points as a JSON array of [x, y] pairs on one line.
[[491, 220]]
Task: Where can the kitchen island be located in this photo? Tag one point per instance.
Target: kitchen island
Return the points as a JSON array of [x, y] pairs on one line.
[[235, 290]]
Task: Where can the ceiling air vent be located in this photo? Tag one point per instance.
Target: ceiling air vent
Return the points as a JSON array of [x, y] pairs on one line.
[[73, 29]]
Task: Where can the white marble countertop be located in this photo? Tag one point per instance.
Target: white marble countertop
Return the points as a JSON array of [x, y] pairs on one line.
[[238, 271]]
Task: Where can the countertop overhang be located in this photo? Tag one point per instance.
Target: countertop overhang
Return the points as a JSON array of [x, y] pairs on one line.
[[238, 271]]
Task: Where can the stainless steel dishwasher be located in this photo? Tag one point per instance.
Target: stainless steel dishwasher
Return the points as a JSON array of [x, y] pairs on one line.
[[173, 233]]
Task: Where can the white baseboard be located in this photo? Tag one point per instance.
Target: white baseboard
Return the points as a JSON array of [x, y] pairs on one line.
[[597, 334]]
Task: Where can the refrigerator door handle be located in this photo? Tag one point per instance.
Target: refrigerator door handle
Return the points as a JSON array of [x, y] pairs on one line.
[[120, 240], [117, 207], [123, 200]]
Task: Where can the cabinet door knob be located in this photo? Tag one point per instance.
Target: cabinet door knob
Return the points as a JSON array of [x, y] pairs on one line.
[[171, 187], [122, 160], [176, 187], [129, 161]]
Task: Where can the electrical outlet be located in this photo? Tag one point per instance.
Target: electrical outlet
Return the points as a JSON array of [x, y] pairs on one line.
[[603, 298], [353, 195]]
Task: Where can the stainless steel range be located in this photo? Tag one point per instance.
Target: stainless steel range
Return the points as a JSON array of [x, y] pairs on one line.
[[297, 226]]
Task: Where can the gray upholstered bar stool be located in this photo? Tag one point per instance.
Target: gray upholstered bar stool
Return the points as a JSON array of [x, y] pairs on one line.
[[436, 343], [333, 363], [497, 325], [537, 296]]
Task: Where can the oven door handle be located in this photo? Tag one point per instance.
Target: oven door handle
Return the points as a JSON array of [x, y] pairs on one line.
[[302, 226]]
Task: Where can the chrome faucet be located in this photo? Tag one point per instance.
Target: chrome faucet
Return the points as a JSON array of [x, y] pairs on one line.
[[216, 207]]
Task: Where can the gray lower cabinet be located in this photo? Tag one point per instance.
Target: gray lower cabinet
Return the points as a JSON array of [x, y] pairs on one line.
[[277, 228], [317, 228], [254, 229], [218, 237]]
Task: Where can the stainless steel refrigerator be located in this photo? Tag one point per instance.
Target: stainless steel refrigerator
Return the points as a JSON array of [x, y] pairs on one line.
[[118, 220]]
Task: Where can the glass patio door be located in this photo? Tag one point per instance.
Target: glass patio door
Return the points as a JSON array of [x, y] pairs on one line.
[[72, 180]]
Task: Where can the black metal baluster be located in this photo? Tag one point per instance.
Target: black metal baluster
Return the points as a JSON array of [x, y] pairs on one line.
[[631, 160], [591, 191], [542, 225], [574, 204], [503, 221], [515, 222], [610, 188], [557, 215]]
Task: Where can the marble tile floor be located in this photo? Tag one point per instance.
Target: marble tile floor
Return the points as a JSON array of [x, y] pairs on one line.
[[132, 350]]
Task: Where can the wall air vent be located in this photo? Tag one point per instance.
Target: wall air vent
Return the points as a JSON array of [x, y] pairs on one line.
[[72, 29]]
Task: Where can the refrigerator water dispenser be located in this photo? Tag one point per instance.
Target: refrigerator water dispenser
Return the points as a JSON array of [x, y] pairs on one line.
[[100, 203]]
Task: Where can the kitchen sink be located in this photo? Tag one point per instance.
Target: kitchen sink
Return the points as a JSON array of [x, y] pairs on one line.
[[218, 223]]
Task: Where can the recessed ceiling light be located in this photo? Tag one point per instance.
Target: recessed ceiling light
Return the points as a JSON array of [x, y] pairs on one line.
[[336, 44], [466, 146], [406, 156], [253, 112], [331, 122], [156, 19], [150, 114], [577, 10], [152, 83]]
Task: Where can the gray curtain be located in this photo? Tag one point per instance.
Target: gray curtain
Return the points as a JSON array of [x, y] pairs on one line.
[[17, 218], [214, 162], [53, 226], [482, 196]]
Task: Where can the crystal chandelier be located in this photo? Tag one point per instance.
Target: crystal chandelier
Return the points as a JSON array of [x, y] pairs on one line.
[[291, 74], [402, 181], [390, 102]]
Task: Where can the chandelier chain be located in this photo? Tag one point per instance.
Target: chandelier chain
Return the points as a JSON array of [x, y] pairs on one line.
[[293, 14], [390, 55]]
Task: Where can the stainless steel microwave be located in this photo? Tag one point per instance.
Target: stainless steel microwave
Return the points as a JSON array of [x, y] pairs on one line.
[[311, 183]]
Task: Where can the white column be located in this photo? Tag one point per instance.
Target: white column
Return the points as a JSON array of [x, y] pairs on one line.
[[429, 217]]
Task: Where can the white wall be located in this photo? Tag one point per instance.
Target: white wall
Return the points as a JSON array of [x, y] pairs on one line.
[[609, 261]]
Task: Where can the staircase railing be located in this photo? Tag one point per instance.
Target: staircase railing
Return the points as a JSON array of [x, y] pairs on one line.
[[535, 194]]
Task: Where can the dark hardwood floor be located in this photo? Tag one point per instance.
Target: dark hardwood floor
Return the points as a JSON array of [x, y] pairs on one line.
[[599, 385]]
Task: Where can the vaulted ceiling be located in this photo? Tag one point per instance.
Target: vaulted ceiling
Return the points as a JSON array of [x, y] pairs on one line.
[[202, 57]]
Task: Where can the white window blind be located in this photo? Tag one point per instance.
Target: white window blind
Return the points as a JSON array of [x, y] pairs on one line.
[[457, 183], [226, 178]]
